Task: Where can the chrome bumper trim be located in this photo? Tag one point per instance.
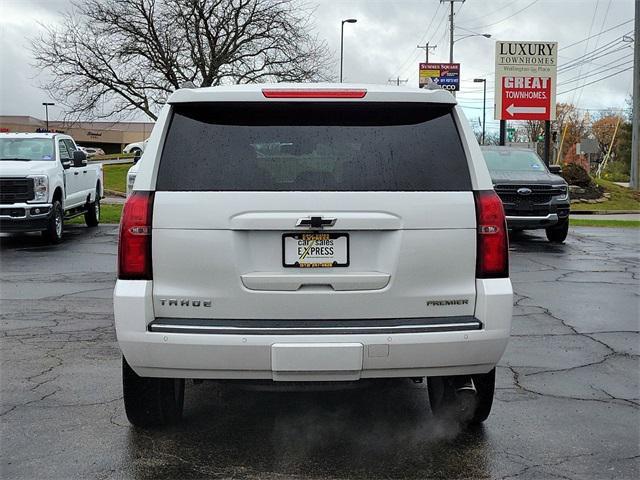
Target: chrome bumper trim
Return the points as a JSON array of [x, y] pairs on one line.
[[27, 210], [317, 327], [552, 217]]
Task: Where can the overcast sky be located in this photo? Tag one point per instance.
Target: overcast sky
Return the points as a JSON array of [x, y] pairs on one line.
[[382, 45]]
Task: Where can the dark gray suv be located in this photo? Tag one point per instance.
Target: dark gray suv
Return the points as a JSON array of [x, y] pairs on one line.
[[533, 195]]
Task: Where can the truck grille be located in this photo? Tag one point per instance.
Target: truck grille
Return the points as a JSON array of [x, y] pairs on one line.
[[14, 190], [540, 194]]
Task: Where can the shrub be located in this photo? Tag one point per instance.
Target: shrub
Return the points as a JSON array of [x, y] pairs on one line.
[[616, 171], [574, 174]]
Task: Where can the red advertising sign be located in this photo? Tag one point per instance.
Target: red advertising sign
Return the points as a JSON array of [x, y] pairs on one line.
[[526, 98], [526, 80]]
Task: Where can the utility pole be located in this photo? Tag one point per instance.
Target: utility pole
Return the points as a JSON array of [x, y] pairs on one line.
[[451, 41], [397, 81], [451, 27], [634, 180], [426, 48]]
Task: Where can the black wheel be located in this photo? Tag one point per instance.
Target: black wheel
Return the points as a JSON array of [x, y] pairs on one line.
[[558, 233], [448, 401], [53, 233], [135, 150], [92, 215], [151, 402]]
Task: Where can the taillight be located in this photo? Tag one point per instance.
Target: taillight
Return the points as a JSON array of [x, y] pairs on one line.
[[314, 93], [134, 248], [493, 243]]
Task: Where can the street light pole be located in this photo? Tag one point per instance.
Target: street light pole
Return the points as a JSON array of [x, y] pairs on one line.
[[484, 103], [46, 112], [348, 20]]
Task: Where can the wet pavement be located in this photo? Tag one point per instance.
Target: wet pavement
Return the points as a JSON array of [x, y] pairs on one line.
[[567, 403]]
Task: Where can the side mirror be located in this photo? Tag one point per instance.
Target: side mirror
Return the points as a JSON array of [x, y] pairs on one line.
[[555, 169], [67, 164], [136, 156], [79, 158]]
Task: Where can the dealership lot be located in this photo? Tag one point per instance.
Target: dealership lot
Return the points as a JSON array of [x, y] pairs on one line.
[[567, 403]]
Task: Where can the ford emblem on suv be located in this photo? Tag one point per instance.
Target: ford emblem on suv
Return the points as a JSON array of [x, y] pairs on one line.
[[524, 191]]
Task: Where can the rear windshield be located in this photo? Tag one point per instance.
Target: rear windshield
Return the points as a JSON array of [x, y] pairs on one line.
[[288, 146]]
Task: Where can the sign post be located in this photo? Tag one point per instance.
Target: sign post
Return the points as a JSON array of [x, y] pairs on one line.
[[444, 75], [526, 83]]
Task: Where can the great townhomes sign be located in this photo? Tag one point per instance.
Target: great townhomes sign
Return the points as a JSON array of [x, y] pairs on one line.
[[526, 80]]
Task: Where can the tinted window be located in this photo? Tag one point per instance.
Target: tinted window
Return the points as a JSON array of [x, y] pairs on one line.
[[312, 147], [513, 160]]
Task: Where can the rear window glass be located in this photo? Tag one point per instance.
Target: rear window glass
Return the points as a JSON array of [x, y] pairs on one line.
[[287, 146]]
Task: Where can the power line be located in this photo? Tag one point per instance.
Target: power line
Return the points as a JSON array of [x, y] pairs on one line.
[[604, 50], [586, 47], [604, 21], [426, 32], [506, 18], [596, 81], [596, 35], [598, 71]]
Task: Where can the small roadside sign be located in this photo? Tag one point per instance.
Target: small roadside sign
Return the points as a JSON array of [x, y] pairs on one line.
[[526, 80], [445, 75]]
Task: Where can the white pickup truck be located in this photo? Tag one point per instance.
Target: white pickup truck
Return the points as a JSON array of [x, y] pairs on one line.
[[45, 179]]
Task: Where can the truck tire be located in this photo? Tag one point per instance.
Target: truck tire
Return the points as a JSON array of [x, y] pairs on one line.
[[151, 402], [558, 233], [55, 226], [92, 215], [466, 408]]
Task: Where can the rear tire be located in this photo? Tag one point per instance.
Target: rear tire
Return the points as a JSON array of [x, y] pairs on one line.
[[92, 215], [464, 407], [151, 402], [558, 233], [55, 225]]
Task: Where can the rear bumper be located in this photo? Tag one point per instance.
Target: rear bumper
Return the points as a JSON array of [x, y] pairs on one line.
[[458, 345], [24, 217]]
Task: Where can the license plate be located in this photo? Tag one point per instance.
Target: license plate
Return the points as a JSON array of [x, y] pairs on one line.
[[315, 250]]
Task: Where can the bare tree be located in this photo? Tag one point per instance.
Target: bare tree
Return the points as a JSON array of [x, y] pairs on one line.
[[115, 57], [533, 129]]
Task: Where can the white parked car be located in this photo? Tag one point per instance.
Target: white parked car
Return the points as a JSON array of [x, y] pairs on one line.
[[92, 151], [312, 233], [135, 147], [45, 179]]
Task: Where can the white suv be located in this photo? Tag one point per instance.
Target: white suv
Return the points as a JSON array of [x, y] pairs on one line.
[[312, 233]]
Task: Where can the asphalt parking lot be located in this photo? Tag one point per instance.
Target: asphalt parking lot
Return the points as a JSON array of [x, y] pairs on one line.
[[567, 404]]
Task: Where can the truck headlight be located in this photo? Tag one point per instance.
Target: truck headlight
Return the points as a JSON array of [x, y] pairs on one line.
[[40, 188], [131, 178], [565, 191]]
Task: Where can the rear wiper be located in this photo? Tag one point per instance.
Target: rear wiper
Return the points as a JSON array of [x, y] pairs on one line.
[[17, 159]]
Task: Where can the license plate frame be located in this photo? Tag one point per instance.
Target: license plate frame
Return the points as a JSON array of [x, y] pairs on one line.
[[328, 235]]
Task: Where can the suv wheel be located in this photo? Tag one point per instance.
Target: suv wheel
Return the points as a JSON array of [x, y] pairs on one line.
[[463, 405], [151, 402], [53, 233], [92, 215], [558, 233]]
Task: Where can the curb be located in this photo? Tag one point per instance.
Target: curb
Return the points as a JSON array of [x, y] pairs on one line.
[[604, 212], [115, 193]]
